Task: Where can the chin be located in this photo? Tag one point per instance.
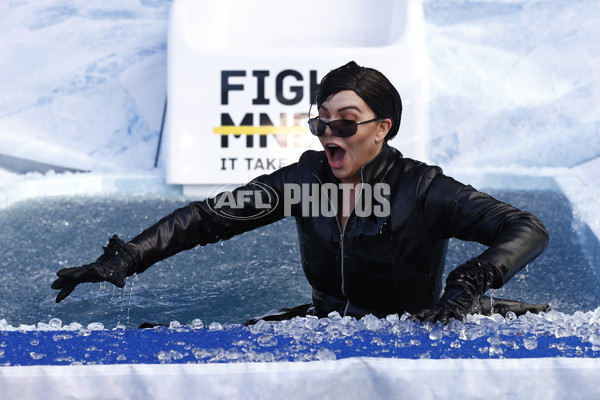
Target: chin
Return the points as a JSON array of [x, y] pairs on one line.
[[342, 175], [338, 174]]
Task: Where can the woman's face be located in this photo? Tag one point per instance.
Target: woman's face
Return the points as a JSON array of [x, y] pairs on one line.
[[347, 155]]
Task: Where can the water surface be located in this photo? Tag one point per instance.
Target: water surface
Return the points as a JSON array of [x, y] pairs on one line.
[[230, 281]]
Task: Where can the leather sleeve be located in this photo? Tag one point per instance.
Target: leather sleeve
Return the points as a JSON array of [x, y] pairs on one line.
[[258, 203], [514, 237]]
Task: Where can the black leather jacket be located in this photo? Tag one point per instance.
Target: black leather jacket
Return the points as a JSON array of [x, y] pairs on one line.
[[378, 264]]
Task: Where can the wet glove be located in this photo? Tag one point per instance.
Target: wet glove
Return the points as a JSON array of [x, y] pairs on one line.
[[464, 286], [118, 262]]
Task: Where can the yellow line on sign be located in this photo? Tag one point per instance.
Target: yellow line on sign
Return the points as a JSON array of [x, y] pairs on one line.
[[259, 130]]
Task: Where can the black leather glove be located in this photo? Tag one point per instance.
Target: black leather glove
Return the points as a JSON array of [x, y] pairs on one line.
[[118, 262], [504, 306], [464, 286]]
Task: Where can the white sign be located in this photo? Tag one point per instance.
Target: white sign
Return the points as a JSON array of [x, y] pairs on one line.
[[238, 110]]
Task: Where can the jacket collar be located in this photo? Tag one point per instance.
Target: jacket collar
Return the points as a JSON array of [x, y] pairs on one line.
[[375, 170]]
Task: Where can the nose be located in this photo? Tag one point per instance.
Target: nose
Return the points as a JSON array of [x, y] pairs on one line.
[[327, 131]]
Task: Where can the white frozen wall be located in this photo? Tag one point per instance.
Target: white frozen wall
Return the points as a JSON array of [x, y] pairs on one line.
[[514, 82], [353, 378], [82, 84]]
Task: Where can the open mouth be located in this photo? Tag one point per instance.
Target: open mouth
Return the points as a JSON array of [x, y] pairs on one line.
[[335, 154]]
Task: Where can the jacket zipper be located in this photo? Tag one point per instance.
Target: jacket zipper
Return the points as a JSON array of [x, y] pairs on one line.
[[342, 231], [342, 267]]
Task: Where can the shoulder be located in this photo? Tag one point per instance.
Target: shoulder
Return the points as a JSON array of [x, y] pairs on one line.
[[416, 167], [312, 159], [409, 171]]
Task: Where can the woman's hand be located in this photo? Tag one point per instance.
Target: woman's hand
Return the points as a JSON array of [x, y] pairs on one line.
[[458, 300], [117, 263], [464, 286]]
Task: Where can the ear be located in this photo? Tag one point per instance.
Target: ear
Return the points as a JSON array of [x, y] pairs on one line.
[[384, 127]]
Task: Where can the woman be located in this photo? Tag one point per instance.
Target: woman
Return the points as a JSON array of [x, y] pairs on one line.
[[376, 240]]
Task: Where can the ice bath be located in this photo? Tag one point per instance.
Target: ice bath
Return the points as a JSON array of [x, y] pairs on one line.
[[204, 294], [230, 281]]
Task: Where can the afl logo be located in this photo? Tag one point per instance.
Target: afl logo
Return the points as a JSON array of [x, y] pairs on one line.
[[252, 201]]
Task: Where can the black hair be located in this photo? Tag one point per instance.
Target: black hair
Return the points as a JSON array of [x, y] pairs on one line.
[[371, 85]]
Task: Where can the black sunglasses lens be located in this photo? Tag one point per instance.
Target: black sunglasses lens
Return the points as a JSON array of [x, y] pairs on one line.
[[317, 127], [321, 128], [343, 127], [339, 127]]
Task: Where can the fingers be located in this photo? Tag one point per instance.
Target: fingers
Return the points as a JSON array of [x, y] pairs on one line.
[[113, 277], [82, 274], [444, 316], [428, 314], [73, 274], [118, 282], [65, 284], [434, 315], [58, 284], [69, 278], [65, 272], [63, 280], [65, 292]]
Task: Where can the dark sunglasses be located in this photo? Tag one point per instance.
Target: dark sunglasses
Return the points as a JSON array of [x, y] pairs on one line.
[[339, 127]]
